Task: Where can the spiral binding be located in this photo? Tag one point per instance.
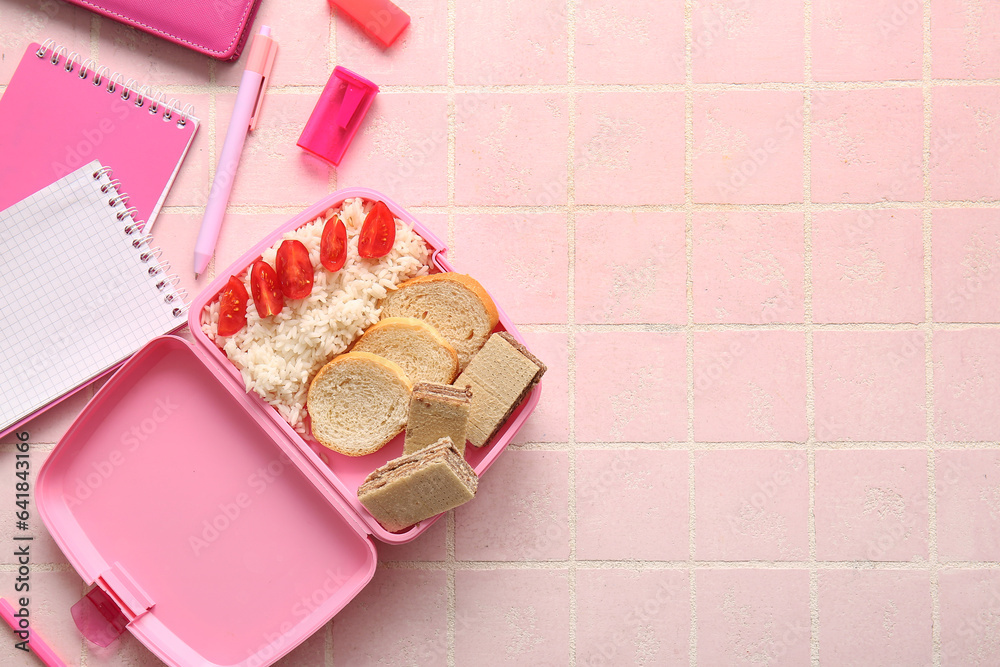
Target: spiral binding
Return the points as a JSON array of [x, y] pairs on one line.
[[158, 268], [131, 90]]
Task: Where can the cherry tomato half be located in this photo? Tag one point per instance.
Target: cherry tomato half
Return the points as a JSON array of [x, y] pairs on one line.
[[295, 271], [333, 245], [266, 293], [233, 307], [378, 233]]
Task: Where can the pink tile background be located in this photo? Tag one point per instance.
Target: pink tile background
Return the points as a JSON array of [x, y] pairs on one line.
[[757, 247]]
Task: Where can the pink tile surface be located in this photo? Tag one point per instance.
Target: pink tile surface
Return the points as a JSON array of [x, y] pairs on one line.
[[630, 617], [751, 505], [651, 484], [523, 513], [970, 616], [871, 505], [630, 267], [631, 387], [749, 385], [748, 268], [869, 385], [727, 35], [510, 149], [748, 147], [867, 145], [871, 41], [968, 504], [51, 595], [521, 259], [399, 616], [42, 547], [965, 386], [637, 42], [960, 39], [867, 266], [966, 271], [621, 140], [753, 617], [510, 41], [875, 616], [769, 317], [511, 617], [401, 149], [964, 145], [26, 21]]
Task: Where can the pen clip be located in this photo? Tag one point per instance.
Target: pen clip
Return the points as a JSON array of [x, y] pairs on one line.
[[271, 48]]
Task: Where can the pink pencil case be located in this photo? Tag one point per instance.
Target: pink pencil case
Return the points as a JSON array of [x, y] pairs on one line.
[[218, 28], [221, 535]]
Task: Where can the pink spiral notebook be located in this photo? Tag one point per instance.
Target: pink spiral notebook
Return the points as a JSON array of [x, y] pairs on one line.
[[60, 111]]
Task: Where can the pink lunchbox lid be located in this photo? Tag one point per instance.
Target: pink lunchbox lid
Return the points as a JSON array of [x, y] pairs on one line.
[[224, 536]]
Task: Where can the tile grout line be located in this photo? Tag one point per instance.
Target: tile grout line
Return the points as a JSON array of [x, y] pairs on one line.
[[450, 591], [250, 209], [571, 318], [630, 565], [527, 89], [807, 317], [932, 546], [688, 327]]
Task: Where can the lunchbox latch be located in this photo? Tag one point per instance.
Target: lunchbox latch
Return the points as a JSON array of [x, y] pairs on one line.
[[110, 605], [118, 583]]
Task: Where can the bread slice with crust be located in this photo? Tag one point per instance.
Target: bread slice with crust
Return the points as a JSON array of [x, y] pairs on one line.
[[500, 377], [417, 347], [454, 304], [357, 403], [418, 486]]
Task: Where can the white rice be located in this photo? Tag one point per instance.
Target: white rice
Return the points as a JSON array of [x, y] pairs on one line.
[[279, 355]]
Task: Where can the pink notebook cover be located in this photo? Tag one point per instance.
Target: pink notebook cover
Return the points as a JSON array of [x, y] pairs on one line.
[[218, 28], [53, 121]]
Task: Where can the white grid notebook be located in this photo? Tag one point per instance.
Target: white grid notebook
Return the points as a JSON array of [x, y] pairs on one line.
[[80, 290]]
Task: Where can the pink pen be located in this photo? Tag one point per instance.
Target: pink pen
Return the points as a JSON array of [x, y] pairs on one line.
[[35, 641], [245, 114]]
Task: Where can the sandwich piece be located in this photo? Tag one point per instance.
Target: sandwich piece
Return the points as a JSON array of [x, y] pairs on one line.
[[500, 376], [437, 411], [357, 403], [454, 304], [414, 345], [418, 486]]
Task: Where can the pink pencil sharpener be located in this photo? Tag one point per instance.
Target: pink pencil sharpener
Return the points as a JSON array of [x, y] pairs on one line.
[[338, 115]]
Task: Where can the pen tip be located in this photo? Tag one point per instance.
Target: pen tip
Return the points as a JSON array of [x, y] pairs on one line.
[[197, 275]]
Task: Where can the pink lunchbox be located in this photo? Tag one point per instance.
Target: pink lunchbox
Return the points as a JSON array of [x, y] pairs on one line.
[[218, 28], [221, 535]]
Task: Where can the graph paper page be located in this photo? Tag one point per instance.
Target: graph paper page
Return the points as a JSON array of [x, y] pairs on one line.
[[76, 295]]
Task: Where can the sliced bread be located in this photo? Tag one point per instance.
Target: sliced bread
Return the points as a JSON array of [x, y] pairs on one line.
[[436, 411], [453, 303], [500, 377], [418, 486], [357, 403], [414, 345]]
